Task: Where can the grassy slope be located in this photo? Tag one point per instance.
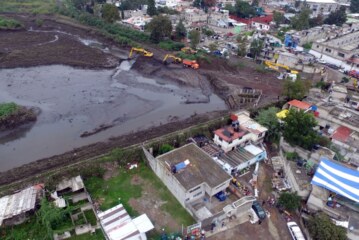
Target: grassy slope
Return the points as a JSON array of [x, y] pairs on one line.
[[32, 6], [7, 23]]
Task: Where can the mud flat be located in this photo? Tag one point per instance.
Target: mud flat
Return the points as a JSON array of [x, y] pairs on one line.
[[78, 101]]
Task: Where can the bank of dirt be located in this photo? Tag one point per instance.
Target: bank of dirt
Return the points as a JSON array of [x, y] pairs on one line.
[[20, 117], [99, 148]]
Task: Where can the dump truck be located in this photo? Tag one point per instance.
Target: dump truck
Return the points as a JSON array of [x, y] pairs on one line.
[[190, 63], [173, 57], [140, 51]]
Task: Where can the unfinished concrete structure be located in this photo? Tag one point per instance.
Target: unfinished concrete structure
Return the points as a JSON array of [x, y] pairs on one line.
[[320, 7]]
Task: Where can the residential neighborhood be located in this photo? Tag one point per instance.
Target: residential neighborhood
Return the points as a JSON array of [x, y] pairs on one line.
[[179, 119]]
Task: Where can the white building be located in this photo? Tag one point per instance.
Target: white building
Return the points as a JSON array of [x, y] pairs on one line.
[[260, 26], [116, 224], [323, 7], [243, 131]]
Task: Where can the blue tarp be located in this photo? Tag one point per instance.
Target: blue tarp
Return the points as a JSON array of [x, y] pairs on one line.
[[337, 178]]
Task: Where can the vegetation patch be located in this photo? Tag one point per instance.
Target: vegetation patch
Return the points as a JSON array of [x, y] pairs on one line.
[[28, 6], [131, 184], [6, 109], [9, 24]]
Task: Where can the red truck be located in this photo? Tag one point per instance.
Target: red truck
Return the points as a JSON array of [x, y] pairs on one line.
[[190, 63], [354, 73]]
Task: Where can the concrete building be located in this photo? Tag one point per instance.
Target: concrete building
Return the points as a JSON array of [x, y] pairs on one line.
[[323, 7], [200, 177], [116, 224], [260, 26], [341, 48], [14, 208]]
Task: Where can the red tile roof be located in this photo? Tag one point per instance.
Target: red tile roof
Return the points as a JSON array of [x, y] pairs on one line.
[[342, 134], [265, 19], [234, 117], [299, 104], [234, 135]]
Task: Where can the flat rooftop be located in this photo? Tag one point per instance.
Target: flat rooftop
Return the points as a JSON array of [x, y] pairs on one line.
[[202, 167]]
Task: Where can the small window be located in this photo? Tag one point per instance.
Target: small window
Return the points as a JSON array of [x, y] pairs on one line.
[[317, 46], [341, 54], [220, 139]]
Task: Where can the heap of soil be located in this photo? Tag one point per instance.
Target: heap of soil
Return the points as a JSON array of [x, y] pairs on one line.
[[22, 116]]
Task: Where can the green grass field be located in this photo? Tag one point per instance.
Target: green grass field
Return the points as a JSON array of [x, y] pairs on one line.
[[9, 24], [29, 6], [120, 190], [7, 109]]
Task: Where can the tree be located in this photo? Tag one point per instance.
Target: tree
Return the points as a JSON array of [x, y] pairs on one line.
[[209, 3], [231, 9], [301, 20], [255, 3], [244, 9], [151, 8], [160, 27], [256, 47], [295, 90], [110, 13], [79, 4], [298, 129], [50, 216], [242, 45], [278, 18], [165, 148], [194, 36], [213, 46], [181, 31], [317, 21], [269, 119], [197, 3], [290, 201], [354, 6], [322, 228], [339, 17]]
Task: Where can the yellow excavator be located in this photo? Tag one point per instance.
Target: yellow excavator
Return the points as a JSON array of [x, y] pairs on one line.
[[276, 66], [188, 50], [140, 51], [173, 57]]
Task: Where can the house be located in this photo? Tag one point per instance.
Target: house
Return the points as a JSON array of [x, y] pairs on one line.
[[297, 105], [320, 7], [194, 178], [240, 158], [243, 131], [116, 224], [14, 208], [189, 173], [260, 26], [137, 22]]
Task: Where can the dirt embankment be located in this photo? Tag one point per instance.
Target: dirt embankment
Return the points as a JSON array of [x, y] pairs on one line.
[[22, 116], [99, 148]]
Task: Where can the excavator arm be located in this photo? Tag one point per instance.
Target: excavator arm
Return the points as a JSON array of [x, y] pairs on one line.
[[142, 51]]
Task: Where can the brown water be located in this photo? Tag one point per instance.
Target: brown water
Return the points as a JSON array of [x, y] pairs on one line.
[[73, 101]]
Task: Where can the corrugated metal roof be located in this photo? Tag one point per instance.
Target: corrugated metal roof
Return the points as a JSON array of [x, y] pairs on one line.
[[21, 202], [118, 225]]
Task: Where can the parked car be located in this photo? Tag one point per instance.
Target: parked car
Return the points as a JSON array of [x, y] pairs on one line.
[[221, 196], [333, 66], [295, 231], [259, 210], [321, 61]]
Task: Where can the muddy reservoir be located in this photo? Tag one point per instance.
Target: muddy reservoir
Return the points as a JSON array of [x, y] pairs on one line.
[[79, 107]]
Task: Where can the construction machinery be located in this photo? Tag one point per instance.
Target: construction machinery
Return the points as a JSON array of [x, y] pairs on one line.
[[190, 63], [188, 50], [140, 51], [173, 57]]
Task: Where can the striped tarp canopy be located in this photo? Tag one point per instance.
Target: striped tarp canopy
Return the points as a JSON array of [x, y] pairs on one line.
[[337, 178]]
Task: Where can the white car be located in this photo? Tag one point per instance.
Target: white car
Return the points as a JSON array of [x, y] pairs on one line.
[[321, 61], [295, 231]]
